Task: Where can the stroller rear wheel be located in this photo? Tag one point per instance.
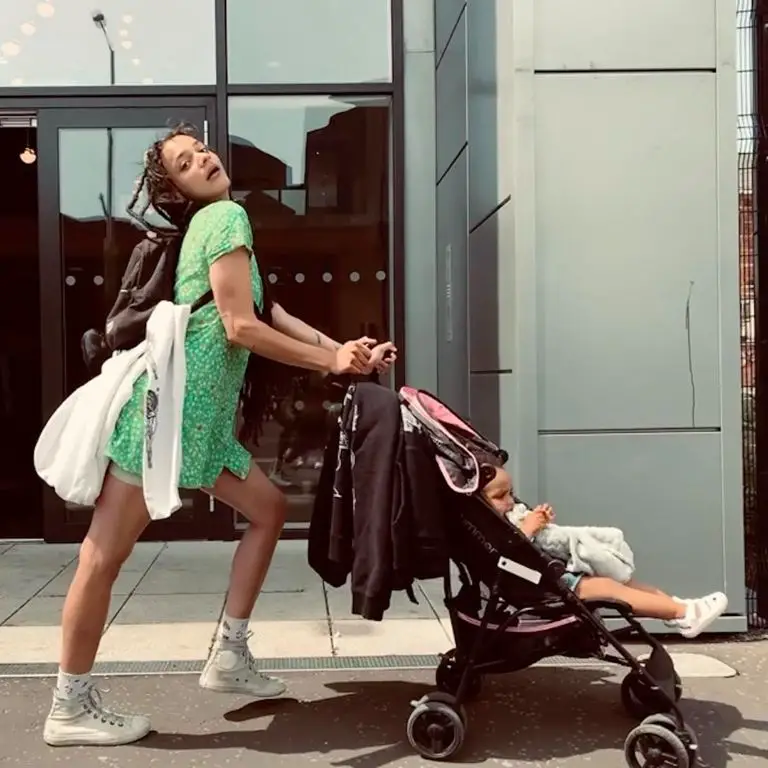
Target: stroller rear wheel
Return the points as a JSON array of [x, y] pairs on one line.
[[640, 701], [435, 729], [686, 734], [448, 677], [655, 746]]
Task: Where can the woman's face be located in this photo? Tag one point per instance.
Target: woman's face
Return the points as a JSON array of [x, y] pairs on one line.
[[194, 170]]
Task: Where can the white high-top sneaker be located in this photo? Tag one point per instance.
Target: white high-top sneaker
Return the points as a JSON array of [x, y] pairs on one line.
[[231, 668], [85, 721]]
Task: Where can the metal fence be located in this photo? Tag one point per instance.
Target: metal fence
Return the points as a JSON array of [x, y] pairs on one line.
[[751, 18]]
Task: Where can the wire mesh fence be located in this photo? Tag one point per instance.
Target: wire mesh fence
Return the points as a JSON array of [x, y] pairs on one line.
[[750, 126]]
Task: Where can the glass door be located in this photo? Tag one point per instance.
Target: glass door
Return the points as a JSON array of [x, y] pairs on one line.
[[89, 161]]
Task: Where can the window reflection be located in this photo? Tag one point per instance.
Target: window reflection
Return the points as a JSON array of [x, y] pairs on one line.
[[309, 41], [93, 266], [57, 43], [313, 175]]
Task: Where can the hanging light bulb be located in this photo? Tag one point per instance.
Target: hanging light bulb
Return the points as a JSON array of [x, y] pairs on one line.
[[46, 10], [28, 156]]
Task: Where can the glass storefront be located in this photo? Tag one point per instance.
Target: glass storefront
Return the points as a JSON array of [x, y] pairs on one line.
[[309, 41], [313, 172], [141, 42], [299, 97]]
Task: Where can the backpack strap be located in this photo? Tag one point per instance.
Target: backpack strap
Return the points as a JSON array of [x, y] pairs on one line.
[[202, 301]]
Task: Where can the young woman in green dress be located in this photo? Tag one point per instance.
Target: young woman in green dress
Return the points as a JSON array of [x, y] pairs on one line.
[[186, 183]]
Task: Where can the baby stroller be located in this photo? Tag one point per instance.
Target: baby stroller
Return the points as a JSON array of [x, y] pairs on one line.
[[511, 611]]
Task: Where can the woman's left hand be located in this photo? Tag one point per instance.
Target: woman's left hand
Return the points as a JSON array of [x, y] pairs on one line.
[[382, 357]]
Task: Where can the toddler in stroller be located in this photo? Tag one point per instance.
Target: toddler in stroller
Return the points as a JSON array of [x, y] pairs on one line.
[[689, 617], [514, 608]]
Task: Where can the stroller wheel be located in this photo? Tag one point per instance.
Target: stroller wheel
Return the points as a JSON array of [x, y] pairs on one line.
[[640, 701], [436, 730], [686, 734], [448, 678], [655, 746]]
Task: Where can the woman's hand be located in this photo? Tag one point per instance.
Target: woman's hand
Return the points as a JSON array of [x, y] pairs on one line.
[[353, 357], [382, 357]]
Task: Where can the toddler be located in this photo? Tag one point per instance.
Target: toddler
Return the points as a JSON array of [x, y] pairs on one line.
[[689, 617]]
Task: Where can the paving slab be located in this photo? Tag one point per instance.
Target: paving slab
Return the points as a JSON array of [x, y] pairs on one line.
[[170, 609], [42, 612], [541, 717], [401, 636], [340, 606]]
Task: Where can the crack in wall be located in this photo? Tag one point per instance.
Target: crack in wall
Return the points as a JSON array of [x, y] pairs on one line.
[[690, 351]]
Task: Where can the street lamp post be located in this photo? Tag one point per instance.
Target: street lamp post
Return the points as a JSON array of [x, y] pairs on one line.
[[110, 255]]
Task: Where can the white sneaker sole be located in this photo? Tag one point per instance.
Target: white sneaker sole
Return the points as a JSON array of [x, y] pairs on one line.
[[236, 690], [95, 740]]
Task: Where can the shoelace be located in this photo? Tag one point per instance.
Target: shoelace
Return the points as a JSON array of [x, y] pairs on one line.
[[250, 660], [94, 706]]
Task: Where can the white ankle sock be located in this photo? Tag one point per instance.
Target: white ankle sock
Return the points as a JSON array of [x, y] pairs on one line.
[[72, 686], [233, 630]]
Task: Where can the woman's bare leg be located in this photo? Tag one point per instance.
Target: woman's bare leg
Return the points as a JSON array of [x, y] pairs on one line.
[[263, 505], [77, 717], [655, 605], [231, 668], [118, 520]]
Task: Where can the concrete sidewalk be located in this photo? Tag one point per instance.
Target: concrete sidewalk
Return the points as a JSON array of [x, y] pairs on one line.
[[169, 597]]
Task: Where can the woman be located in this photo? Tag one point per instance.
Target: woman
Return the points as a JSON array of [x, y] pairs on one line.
[[186, 183]]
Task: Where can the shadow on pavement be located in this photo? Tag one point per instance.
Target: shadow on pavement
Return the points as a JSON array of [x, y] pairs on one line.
[[537, 715]]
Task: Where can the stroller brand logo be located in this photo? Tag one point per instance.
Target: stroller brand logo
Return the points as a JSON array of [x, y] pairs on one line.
[[478, 536]]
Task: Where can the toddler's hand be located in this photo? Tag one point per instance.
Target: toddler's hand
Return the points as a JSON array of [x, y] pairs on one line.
[[536, 519], [546, 513]]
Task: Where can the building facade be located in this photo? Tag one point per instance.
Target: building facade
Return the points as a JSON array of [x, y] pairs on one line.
[[302, 99], [537, 199], [587, 265]]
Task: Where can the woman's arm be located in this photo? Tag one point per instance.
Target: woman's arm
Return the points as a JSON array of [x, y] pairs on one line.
[[299, 330], [382, 355], [230, 277]]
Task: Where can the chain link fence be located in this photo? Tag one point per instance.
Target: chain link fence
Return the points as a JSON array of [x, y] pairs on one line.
[[750, 19]]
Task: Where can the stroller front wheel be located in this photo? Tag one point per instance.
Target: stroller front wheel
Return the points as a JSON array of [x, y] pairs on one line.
[[650, 746], [436, 730]]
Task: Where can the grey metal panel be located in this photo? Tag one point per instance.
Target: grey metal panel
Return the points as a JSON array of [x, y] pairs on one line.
[[420, 215], [729, 82], [482, 107], [662, 490], [485, 404], [452, 99], [419, 26], [491, 294], [627, 251], [446, 14], [452, 293], [625, 34]]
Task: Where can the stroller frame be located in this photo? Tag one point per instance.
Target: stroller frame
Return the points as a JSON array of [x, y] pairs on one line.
[[499, 634]]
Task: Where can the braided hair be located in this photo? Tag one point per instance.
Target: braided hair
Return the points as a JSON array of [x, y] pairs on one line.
[[156, 191]]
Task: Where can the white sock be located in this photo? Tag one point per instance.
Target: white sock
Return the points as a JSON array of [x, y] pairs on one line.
[[233, 630], [72, 686]]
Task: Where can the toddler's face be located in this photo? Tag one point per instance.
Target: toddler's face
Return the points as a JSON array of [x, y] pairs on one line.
[[498, 493]]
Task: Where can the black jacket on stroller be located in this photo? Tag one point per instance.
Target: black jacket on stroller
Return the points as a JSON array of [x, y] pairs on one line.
[[376, 513]]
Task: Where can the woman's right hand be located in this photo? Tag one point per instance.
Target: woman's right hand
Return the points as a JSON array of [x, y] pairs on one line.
[[353, 357]]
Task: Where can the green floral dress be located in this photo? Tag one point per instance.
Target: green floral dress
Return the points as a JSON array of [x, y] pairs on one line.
[[215, 368]]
